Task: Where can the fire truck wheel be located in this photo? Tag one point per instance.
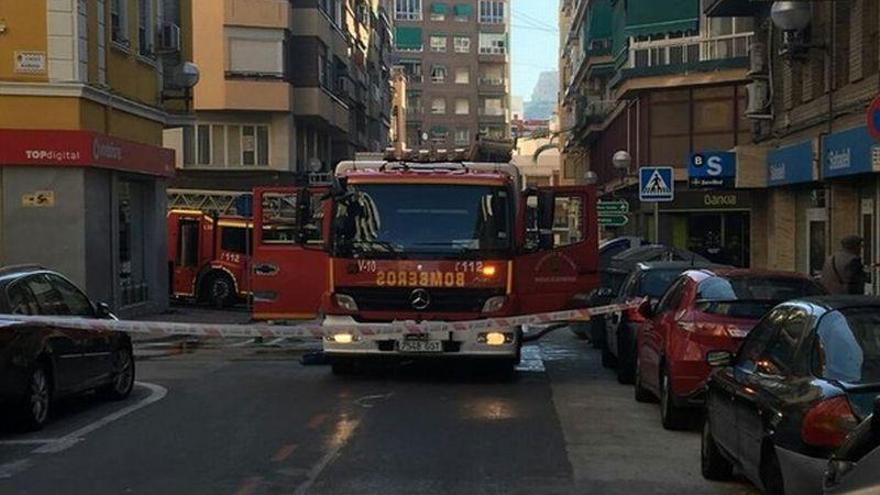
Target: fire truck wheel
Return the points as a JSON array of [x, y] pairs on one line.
[[218, 290]]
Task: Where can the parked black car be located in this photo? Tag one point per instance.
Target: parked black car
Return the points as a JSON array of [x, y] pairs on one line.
[[647, 280], [803, 379], [853, 469], [40, 363]]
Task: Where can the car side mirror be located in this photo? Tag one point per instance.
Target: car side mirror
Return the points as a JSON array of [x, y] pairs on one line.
[[103, 311], [719, 359], [646, 309]]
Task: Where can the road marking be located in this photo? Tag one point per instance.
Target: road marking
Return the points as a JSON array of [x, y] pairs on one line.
[[157, 393], [317, 421], [37, 441], [10, 469], [366, 401], [249, 486], [325, 461], [284, 452]]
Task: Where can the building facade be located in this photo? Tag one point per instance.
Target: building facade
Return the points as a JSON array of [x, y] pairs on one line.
[[86, 89], [809, 91], [663, 82], [289, 88], [457, 59]]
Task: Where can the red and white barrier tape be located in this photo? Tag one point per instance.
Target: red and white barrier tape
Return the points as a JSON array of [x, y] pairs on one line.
[[157, 328]]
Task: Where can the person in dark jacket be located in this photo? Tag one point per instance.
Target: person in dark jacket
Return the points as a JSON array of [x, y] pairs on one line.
[[844, 272]]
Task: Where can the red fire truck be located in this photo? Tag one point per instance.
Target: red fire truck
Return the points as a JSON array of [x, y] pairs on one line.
[[209, 257], [402, 240]]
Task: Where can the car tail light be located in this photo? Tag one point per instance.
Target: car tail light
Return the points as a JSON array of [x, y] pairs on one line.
[[828, 423]]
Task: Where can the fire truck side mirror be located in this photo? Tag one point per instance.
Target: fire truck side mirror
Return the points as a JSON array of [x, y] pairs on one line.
[[339, 187], [546, 210]]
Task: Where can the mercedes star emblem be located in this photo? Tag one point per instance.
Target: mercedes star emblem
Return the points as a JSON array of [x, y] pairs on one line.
[[419, 299]]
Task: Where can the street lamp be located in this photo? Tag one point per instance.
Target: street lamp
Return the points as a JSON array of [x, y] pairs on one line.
[[590, 178], [621, 161], [793, 18]]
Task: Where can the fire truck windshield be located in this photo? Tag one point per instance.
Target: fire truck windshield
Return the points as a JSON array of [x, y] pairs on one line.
[[425, 220]]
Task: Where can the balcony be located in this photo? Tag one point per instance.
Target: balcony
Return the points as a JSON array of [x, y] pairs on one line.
[[687, 50]]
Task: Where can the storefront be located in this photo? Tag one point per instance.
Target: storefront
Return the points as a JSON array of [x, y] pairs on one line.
[[90, 206], [850, 163]]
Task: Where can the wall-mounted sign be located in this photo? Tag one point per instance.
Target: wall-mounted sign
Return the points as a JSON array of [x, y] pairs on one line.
[[712, 170], [790, 164], [30, 62], [847, 153], [656, 184], [872, 116], [38, 199]]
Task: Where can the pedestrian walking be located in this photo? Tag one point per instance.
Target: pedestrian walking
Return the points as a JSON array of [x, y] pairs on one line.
[[844, 272]]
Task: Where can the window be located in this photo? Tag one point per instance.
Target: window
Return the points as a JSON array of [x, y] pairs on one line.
[[145, 28], [408, 10], [412, 69], [462, 75], [76, 302], [439, 136], [21, 302], [672, 297], [438, 74], [462, 106], [438, 44], [568, 225], [232, 145], [119, 21], [438, 11], [236, 240], [48, 298], [323, 66], [493, 43], [188, 243], [333, 9], [848, 346], [491, 11], [438, 106], [408, 39], [462, 137], [414, 103], [779, 358], [756, 341], [493, 75], [254, 52], [462, 44], [493, 107]]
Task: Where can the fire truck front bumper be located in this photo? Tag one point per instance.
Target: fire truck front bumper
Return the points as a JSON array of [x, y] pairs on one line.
[[497, 343]]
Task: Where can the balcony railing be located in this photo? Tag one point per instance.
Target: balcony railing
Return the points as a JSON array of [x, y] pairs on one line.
[[687, 50], [493, 112], [492, 81]]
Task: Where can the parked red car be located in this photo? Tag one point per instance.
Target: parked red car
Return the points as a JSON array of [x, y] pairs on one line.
[[703, 310]]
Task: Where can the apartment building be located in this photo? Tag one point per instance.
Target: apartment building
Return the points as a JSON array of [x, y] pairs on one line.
[[664, 82], [457, 60], [288, 88], [815, 70], [86, 90]]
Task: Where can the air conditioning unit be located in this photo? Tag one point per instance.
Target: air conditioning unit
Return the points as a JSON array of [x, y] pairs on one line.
[[757, 59], [759, 100], [169, 38]]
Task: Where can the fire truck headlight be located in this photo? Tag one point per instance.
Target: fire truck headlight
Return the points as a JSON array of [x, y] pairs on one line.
[[489, 270], [346, 302], [495, 338], [343, 338], [493, 304]]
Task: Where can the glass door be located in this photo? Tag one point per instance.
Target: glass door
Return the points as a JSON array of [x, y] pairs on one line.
[[866, 231], [817, 245]]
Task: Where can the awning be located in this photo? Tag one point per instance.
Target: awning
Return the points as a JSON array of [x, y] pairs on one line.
[[650, 17], [463, 9], [408, 38], [598, 25], [438, 8]]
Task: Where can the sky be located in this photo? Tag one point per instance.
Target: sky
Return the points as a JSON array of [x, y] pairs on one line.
[[534, 42]]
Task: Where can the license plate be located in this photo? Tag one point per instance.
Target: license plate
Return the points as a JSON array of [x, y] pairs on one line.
[[420, 346]]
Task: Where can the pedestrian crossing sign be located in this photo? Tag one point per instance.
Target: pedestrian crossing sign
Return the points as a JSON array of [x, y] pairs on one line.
[[656, 184]]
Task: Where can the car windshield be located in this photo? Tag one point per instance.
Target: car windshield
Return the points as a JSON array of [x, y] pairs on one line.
[[849, 346], [398, 220], [655, 282], [750, 296]]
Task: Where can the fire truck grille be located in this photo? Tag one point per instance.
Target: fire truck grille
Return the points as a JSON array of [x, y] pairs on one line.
[[440, 300]]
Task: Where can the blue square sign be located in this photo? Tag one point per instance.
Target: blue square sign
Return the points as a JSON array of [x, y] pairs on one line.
[[656, 184], [712, 170]]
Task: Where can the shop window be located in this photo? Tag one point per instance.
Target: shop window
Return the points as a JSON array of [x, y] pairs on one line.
[[131, 249]]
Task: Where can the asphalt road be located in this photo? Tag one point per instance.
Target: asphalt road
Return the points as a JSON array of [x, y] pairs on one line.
[[237, 421]]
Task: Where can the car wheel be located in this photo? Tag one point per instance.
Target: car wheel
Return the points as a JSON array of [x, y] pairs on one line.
[[625, 367], [608, 359], [641, 393], [122, 382], [219, 291], [771, 473], [713, 464], [38, 398], [671, 416]]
